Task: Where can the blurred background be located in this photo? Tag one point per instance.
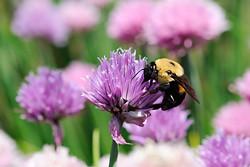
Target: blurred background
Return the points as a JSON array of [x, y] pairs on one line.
[[214, 68]]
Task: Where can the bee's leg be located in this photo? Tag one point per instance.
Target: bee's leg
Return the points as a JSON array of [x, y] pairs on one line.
[[168, 102], [172, 101], [156, 106], [150, 83], [162, 88]]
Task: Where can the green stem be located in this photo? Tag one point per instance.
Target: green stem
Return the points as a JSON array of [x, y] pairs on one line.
[[186, 64], [57, 134], [96, 147], [113, 154], [143, 49], [189, 62], [61, 55]]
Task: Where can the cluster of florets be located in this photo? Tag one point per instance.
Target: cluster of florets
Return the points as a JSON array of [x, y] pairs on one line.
[[177, 25], [55, 21]]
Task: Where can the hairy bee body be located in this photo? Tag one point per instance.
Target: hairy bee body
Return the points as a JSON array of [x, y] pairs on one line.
[[172, 82], [164, 65]]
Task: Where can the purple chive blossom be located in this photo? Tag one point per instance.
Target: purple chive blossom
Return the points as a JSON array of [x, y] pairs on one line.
[[226, 151], [241, 86], [162, 126], [47, 97], [234, 118], [127, 20], [180, 25], [116, 88], [40, 19]]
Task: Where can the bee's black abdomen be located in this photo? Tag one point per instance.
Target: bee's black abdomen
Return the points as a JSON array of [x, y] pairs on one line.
[[172, 96], [168, 103]]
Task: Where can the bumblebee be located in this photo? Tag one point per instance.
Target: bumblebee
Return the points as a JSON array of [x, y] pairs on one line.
[[172, 82]]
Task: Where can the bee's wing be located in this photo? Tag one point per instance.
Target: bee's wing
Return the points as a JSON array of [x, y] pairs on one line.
[[183, 81]]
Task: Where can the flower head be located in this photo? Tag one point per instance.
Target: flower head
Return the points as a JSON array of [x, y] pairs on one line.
[[162, 126], [116, 88], [241, 86], [179, 25], [50, 158], [9, 156], [40, 19], [79, 15], [234, 118], [128, 18], [223, 150], [164, 155], [74, 73], [47, 97]]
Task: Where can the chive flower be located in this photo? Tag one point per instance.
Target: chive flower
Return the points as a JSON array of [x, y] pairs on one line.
[[241, 86], [234, 118], [180, 25], [158, 155], [79, 15], [50, 158], [162, 126], [117, 87], [40, 19], [223, 150], [46, 97], [9, 154], [127, 20]]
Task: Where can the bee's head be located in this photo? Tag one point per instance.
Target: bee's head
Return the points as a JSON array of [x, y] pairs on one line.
[[150, 72]]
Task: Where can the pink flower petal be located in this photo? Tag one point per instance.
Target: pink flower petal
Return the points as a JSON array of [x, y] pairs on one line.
[[114, 128]]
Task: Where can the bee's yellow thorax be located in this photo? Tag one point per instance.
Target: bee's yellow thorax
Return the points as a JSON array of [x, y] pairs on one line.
[[163, 65]]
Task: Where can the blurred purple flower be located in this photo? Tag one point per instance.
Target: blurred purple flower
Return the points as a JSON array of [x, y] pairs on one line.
[[78, 73], [47, 97], [223, 150], [79, 15], [179, 25], [234, 118], [39, 19], [114, 89], [48, 157], [162, 126], [128, 18], [241, 86]]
